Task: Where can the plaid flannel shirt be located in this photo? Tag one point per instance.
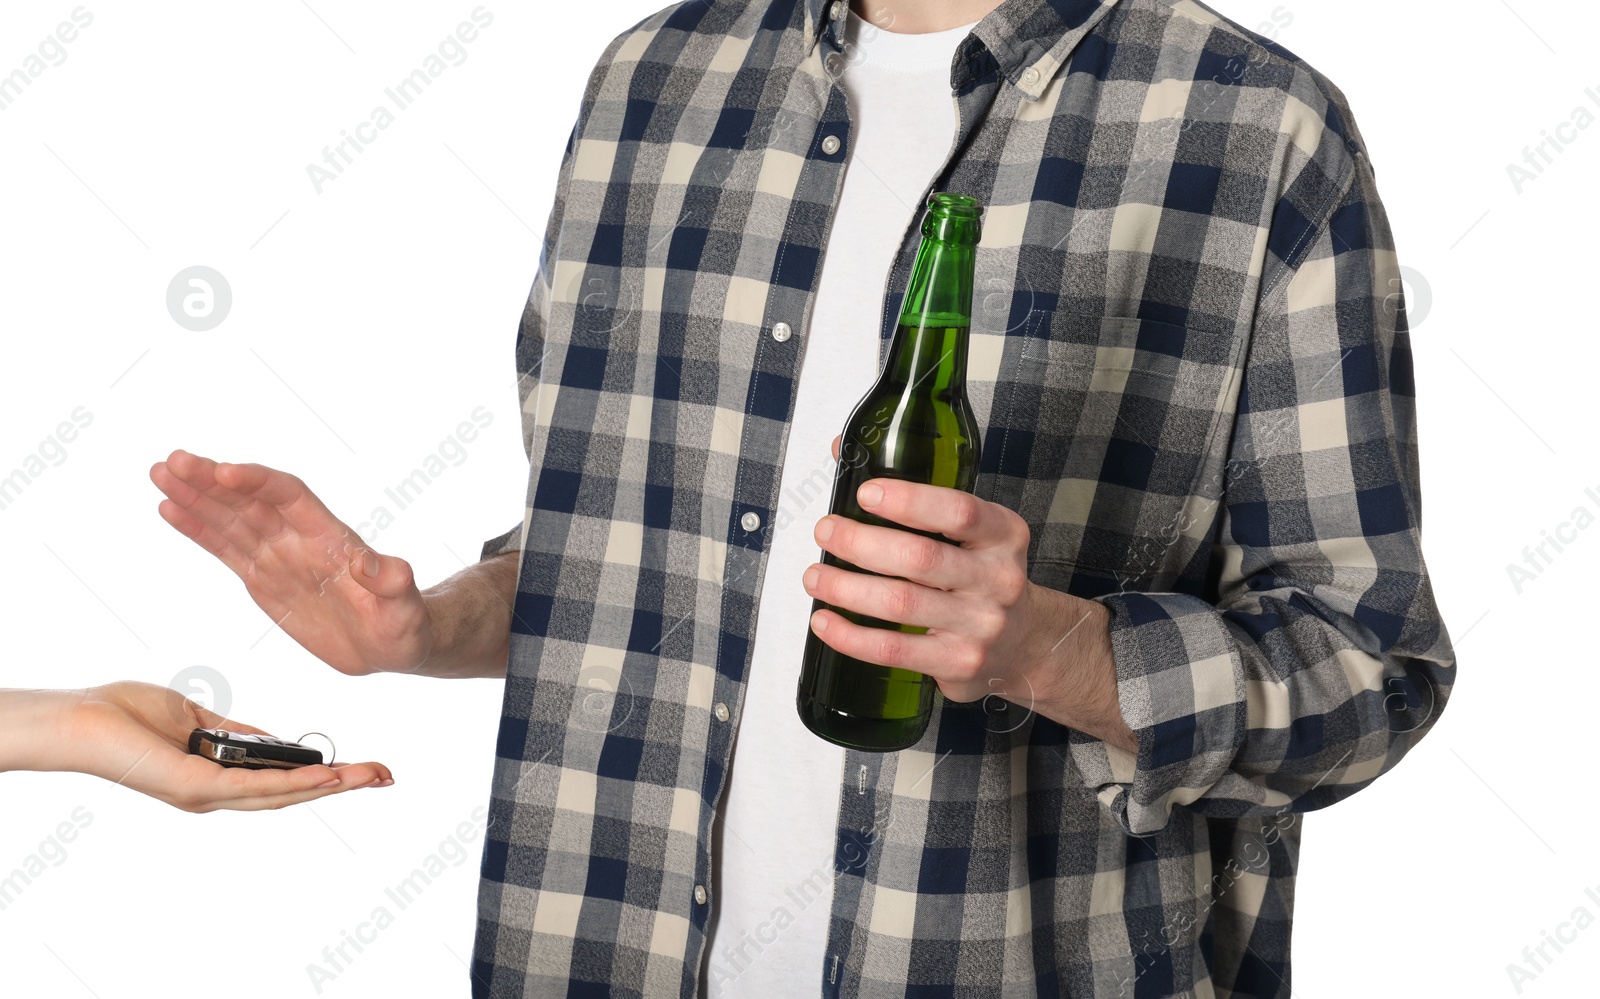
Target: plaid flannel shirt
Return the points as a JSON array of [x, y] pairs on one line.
[[1191, 362]]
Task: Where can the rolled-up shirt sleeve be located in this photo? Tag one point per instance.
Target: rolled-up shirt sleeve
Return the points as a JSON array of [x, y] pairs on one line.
[[1323, 657], [502, 544]]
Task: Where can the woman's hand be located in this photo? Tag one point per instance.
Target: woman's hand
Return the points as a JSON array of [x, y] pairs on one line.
[[137, 735]]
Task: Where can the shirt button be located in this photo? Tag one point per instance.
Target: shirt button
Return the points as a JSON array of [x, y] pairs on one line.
[[837, 10], [721, 711], [781, 332], [830, 145], [751, 521], [700, 894], [1030, 76]]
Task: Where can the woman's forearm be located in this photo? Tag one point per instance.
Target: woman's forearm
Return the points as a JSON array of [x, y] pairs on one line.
[[31, 724]]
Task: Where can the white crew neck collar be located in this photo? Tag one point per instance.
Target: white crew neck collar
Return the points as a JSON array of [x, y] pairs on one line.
[[873, 47]]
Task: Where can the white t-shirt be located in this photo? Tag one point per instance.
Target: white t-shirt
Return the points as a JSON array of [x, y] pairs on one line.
[[774, 887]]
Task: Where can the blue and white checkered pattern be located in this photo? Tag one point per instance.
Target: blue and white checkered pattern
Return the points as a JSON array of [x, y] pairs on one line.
[[1191, 363]]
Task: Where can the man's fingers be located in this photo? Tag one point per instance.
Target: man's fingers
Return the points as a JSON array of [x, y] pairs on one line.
[[898, 600], [890, 551], [959, 516], [837, 438], [204, 535], [285, 494], [267, 501], [199, 474], [266, 497], [921, 653], [191, 482], [167, 479], [266, 484], [226, 519]]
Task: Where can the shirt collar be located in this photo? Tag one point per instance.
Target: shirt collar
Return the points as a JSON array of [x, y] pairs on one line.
[[1028, 40]]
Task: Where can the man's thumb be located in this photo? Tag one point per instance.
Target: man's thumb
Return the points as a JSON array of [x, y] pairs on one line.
[[385, 575]]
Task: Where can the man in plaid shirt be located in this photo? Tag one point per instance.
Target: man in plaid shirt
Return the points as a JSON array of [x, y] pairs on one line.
[[1189, 600]]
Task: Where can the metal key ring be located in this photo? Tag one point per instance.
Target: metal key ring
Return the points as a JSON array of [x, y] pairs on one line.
[[332, 750]]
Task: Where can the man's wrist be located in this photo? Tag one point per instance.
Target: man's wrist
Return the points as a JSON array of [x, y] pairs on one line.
[[1075, 675], [469, 621], [439, 627]]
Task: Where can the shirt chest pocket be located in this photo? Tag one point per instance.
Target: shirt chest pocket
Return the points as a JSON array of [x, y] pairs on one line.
[[1108, 426]]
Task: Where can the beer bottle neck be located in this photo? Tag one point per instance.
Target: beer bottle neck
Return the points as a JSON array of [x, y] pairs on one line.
[[929, 348]]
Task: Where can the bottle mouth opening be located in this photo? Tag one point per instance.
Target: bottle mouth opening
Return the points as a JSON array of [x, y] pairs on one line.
[[954, 206]]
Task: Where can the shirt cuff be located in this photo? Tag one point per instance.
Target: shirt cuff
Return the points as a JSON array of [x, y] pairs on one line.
[[1181, 688], [511, 541]]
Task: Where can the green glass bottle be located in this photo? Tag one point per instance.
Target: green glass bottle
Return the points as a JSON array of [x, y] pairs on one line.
[[914, 424]]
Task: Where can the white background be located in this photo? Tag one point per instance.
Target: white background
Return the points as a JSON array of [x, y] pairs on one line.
[[372, 318]]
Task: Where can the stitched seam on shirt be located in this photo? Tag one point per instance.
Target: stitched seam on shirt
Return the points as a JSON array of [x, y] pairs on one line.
[[1291, 264]]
